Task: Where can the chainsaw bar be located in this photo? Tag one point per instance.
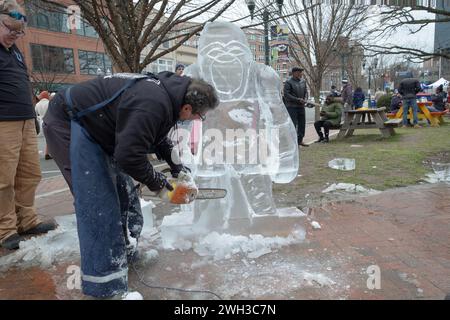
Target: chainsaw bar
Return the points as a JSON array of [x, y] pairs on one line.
[[211, 193]]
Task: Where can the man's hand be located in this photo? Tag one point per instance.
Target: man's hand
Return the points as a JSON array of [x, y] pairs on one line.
[[183, 191], [176, 169]]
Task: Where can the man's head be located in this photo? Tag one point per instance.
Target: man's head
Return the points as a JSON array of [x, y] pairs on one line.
[[179, 69], [344, 82], [329, 99], [12, 22], [43, 95], [199, 99], [333, 87], [297, 72], [440, 89]]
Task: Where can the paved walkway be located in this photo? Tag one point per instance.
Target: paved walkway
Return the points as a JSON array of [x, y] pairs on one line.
[[404, 234]]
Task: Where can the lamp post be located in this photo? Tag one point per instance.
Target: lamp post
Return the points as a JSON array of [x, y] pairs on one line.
[[266, 15], [371, 67]]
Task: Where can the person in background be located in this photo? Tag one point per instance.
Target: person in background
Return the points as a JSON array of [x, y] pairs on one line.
[[295, 96], [179, 69], [396, 102], [378, 94], [41, 108], [409, 88], [330, 115], [20, 172], [347, 94], [334, 92], [358, 98], [438, 99]]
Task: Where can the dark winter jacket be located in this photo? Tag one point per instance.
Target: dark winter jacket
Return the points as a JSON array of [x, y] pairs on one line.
[[134, 124], [409, 88], [358, 99], [332, 112], [293, 91], [347, 94], [396, 101], [439, 100]]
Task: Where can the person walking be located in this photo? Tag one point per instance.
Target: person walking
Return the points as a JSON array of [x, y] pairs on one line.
[[295, 96], [20, 172], [347, 94]]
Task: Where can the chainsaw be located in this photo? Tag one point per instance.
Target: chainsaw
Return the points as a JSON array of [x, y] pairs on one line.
[[185, 191]]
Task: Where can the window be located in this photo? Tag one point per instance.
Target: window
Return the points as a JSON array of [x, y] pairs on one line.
[[261, 47], [94, 63], [47, 16], [253, 47], [162, 65], [52, 59], [86, 30]]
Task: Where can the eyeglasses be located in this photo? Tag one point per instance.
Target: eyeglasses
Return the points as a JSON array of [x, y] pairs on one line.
[[202, 117], [14, 32], [16, 15]]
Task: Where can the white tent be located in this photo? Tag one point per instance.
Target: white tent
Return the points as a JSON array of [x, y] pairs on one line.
[[442, 81]]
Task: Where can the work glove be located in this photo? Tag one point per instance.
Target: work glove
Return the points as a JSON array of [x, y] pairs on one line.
[[159, 182], [176, 169], [183, 191]]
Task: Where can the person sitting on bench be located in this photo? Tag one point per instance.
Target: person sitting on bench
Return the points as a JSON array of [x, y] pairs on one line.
[[438, 100], [330, 117]]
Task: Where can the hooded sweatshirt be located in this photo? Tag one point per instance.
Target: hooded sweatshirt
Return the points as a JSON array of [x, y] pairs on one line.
[[133, 125]]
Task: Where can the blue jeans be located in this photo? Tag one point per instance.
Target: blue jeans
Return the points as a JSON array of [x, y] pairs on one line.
[[407, 103], [104, 200]]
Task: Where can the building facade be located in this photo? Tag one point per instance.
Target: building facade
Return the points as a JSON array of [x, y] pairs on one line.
[[55, 54]]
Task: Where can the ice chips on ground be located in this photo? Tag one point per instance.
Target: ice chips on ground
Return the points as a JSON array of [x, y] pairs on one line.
[[132, 296], [223, 246], [316, 225]]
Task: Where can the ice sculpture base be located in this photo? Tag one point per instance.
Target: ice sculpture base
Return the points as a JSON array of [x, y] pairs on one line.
[[178, 230]]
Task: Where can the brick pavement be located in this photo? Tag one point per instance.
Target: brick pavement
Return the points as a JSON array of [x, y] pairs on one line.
[[404, 232]]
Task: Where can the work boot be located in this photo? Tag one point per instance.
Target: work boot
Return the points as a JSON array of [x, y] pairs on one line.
[[48, 157], [303, 144], [41, 228], [326, 140], [12, 242], [320, 138], [417, 126]]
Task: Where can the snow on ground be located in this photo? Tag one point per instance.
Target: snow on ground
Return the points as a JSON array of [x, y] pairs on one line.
[[441, 173]]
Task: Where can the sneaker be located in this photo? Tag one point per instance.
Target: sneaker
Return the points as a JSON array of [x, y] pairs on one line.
[[12, 242], [48, 157], [41, 228], [417, 126]]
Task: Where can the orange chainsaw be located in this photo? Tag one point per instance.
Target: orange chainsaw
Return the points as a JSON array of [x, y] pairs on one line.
[[185, 191]]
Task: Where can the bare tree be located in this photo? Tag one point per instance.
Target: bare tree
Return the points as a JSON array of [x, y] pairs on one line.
[[317, 32], [393, 19], [130, 29]]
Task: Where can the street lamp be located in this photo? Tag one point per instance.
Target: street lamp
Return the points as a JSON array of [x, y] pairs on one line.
[[371, 67], [251, 7]]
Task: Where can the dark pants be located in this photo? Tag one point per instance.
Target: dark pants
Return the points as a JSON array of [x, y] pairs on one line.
[[325, 124], [297, 115]]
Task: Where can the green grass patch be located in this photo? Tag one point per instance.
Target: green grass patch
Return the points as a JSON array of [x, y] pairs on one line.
[[381, 163]]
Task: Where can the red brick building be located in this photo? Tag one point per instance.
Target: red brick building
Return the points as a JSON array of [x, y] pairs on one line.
[[57, 56]]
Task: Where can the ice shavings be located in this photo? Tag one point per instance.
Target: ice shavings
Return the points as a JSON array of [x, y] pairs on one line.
[[342, 164], [441, 173], [223, 246], [241, 116], [58, 245]]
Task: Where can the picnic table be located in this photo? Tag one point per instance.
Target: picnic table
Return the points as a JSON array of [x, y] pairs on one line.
[[435, 118], [365, 118]]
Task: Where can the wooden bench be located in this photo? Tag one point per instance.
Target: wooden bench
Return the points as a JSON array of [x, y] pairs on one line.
[[393, 122], [435, 118]]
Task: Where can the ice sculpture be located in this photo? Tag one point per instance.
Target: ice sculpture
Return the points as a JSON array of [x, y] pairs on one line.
[[248, 142]]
